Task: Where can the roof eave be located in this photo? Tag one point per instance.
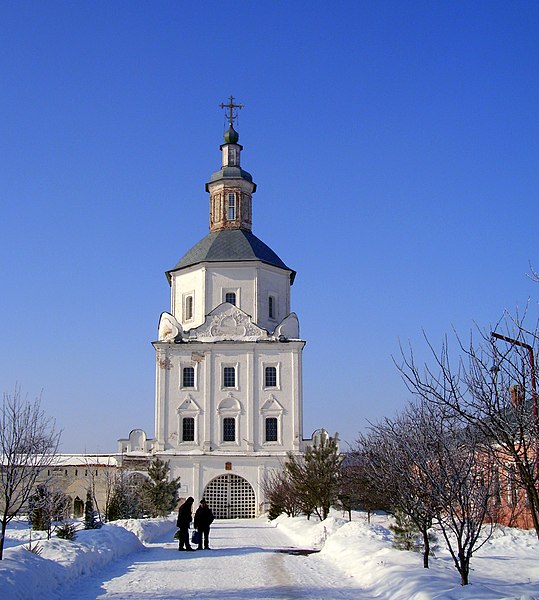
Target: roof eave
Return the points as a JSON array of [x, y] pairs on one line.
[[200, 262]]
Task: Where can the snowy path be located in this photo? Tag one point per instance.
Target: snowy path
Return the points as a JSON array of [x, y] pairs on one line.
[[242, 564]]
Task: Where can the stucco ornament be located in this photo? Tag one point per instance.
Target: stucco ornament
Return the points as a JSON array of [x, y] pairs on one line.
[[228, 322], [169, 328], [288, 328]]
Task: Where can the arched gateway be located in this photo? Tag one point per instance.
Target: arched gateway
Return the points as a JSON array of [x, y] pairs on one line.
[[231, 497]]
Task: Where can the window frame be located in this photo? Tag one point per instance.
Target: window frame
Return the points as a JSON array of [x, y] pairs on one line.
[[270, 373], [271, 409], [184, 420], [231, 206], [231, 421], [188, 306], [272, 307], [224, 369], [267, 420], [229, 408], [277, 366], [182, 382], [188, 409]]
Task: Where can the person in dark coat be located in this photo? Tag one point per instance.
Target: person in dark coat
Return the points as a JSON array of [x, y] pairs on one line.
[[183, 522], [203, 519]]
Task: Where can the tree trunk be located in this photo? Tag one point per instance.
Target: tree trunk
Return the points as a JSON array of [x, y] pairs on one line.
[[464, 569], [426, 549], [2, 538]]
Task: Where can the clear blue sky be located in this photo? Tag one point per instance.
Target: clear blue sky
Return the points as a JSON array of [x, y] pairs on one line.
[[395, 146]]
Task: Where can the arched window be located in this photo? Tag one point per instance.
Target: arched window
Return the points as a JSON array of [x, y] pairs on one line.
[[188, 308], [230, 297]]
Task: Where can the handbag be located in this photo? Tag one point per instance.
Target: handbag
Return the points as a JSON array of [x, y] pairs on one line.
[[194, 536]]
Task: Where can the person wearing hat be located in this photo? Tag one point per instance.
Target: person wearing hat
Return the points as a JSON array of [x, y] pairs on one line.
[[203, 519], [183, 522]]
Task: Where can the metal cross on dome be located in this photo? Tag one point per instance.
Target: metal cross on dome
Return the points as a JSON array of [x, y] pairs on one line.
[[231, 115]]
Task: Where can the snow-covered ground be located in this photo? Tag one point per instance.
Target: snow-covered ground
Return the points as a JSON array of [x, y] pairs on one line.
[[138, 560]]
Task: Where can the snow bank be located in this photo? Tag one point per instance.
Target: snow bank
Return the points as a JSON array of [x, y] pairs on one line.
[[504, 569], [150, 530], [25, 575]]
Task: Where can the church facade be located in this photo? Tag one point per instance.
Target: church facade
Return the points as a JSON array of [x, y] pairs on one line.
[[228, 356]]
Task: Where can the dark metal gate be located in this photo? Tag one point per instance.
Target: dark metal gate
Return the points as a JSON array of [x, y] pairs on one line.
[[231, 497]]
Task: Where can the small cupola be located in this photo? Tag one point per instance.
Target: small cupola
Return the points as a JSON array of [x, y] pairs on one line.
[[231, 187], [230, 150], [231, 136]]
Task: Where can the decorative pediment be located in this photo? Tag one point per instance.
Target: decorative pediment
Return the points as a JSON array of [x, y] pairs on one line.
[[169, 328], [288, 328], [272, 405], [229, 405], [188, 405], [228, 322]]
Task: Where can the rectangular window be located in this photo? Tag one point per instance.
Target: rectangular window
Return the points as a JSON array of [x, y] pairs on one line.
[[229, 377], [230, 297], [229, 429], [189, 308], [231, 207], [188, 429], [188, 377], [271, 307], [271, 429], [271, 377]]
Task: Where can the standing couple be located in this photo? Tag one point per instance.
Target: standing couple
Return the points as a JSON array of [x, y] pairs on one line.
[[203, 519]]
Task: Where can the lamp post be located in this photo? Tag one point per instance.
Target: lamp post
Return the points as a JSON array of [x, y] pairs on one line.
[[532, 371]]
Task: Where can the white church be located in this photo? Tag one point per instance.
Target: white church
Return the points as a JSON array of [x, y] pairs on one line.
[[229, 400]]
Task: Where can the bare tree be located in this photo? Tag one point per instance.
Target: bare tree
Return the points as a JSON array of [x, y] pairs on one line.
[[457, 469], [356, 488], [279, 492], [434, 469], [391, 451], [28, 444], [110, 474], [491, 387]]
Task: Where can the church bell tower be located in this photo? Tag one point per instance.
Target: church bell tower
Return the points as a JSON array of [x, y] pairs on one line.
[[228, 354]]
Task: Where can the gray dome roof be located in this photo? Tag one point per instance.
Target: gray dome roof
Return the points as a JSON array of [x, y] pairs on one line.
[[231, 173], [231, 245], [231, 136]]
